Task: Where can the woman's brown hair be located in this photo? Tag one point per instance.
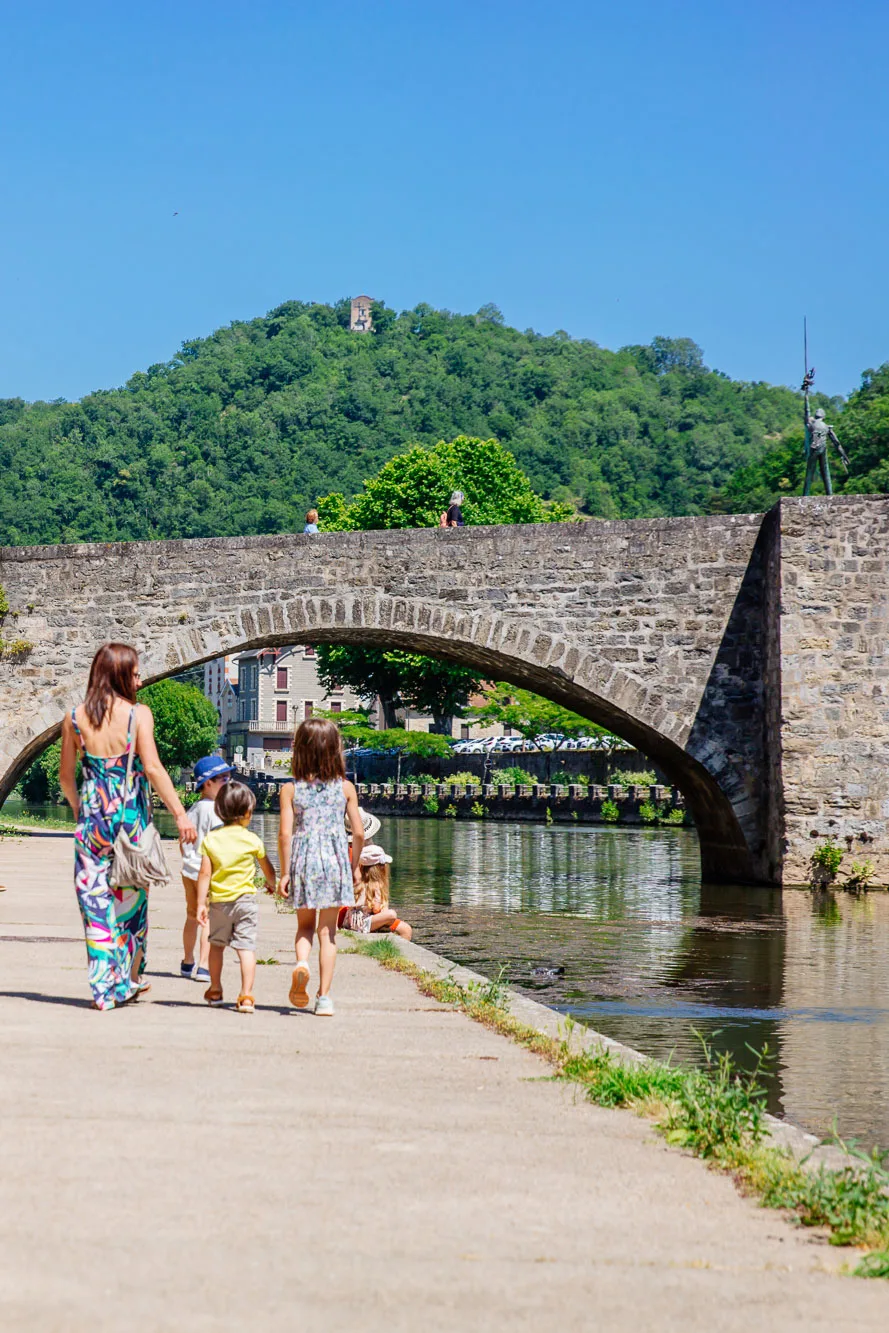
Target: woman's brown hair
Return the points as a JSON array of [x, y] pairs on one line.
[[113, 672], [317, 752]]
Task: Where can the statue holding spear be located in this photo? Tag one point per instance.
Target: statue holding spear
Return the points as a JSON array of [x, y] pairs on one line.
[[818, 433]]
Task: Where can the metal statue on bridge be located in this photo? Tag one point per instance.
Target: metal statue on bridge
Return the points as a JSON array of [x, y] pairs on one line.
[[818, 433]]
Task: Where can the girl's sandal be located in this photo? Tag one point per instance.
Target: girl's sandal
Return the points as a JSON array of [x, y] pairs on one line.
[[213, 997], [245, 1004], [299, 986]]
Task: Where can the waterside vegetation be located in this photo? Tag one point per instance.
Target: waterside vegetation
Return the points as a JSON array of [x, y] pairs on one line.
[[716, 1112]]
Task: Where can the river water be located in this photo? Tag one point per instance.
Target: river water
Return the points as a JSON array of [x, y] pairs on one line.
[[645, 955]]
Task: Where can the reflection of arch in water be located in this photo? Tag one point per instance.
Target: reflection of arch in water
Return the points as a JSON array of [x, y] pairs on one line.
[[503, 649]]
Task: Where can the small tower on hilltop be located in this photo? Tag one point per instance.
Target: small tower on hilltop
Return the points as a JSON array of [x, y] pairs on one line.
[[360, 320]]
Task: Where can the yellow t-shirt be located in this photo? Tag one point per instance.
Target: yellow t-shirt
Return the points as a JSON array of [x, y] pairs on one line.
[[233, 851]]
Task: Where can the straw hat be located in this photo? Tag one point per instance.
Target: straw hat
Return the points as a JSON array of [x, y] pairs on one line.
[[370, 822]]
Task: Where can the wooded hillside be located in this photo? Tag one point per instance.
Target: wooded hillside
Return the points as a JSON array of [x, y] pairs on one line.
[[241, 431]]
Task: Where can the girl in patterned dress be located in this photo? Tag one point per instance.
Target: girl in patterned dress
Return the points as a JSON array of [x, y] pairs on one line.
[[102, 731], [318, 874]]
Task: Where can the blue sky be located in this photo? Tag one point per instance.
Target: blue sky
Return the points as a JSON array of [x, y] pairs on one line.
[[712, 170]]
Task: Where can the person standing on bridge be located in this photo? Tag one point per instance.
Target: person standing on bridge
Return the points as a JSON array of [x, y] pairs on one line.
[[103, 730]]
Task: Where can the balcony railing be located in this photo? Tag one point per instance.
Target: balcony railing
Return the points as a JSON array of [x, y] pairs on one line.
[[271, 728]]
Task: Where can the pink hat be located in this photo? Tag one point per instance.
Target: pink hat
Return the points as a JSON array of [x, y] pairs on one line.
[[372, 855]]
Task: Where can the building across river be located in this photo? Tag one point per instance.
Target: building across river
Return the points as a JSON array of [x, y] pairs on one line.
[[263, 695]]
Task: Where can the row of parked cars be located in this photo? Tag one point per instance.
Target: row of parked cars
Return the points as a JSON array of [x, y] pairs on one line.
[[550, 740]]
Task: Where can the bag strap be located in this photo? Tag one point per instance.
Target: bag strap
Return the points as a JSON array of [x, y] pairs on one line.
[[131, 750]]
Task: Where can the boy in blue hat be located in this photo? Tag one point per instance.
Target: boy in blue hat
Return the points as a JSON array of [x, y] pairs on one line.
[[210, 776]]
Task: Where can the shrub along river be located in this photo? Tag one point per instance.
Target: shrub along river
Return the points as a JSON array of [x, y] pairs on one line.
[[633, 945]]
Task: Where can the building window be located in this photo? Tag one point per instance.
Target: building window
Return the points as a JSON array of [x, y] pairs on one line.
[[309, 708], [310, 650], [336, 706], [281, 710], [464, 733], [281, 678]]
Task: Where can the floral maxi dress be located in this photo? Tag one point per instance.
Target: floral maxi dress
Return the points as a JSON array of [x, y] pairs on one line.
[[115, 921], [320, 869]]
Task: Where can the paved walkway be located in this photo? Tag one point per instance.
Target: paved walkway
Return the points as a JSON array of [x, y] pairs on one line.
[[398, 1167]]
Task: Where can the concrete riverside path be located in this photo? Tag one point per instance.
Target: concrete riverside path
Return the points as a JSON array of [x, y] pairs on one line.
[[397, 1167]]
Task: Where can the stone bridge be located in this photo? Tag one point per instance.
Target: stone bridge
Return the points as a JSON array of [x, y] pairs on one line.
[[746, 654]]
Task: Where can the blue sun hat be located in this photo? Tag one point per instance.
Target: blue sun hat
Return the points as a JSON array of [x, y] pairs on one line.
[[213, 766]]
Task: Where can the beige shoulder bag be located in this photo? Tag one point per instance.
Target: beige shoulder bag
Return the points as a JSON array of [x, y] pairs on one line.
[[142, 864]]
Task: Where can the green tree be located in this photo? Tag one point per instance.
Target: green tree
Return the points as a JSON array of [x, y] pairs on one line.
[[40, 784], [413, 489], [531, 715], [186, 725], [399, 680]]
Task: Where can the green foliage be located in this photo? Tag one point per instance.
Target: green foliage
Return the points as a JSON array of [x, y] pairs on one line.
[[513, 776], [401, 680], [859, 877], [645, 777], [412, 490], [186, 725], [426, 744], [430, 805], [676, 815], [241, 431], [450, 812], [715, 1111], [610, 811], [40, 784], [852, 1201], [648, 812], [478, 809], [530, 714], [566, 779], [825, 862]]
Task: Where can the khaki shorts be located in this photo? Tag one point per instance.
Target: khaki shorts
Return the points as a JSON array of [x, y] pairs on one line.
[[191, 897], [235, 923]]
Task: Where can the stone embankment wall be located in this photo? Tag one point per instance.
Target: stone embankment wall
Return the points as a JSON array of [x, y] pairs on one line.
[[539, 802]]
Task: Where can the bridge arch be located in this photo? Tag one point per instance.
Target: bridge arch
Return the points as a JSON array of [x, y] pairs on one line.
[[503, 648]]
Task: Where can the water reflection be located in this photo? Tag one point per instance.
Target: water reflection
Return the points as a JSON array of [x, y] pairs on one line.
[[651, 958]]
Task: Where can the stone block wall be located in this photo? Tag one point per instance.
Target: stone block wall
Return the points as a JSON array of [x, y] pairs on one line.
[[831, 750]]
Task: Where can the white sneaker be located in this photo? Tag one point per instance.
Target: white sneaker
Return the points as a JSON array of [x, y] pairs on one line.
[[324, 1006]]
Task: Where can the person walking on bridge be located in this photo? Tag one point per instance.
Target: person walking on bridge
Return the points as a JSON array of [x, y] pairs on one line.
[[103, 730]]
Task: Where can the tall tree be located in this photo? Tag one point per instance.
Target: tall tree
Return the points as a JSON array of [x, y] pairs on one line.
[[186, 725]]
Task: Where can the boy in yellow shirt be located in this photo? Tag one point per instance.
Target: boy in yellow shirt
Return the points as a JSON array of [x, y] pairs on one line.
[[226, 891]]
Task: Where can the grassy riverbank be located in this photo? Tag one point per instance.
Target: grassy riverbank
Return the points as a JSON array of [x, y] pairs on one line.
[[717, 1113]]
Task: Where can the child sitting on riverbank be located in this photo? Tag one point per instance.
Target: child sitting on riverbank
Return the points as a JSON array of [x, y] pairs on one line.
[[372, 911], [227, 901]]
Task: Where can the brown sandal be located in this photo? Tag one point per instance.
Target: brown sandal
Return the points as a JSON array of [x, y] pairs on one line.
[[245, 1004], [299, 986]]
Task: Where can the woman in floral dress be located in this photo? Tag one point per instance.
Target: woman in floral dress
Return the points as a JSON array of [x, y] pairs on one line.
[[317, 873], [101, 731]]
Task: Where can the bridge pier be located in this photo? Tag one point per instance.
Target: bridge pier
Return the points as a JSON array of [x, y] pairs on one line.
[[745, 653]]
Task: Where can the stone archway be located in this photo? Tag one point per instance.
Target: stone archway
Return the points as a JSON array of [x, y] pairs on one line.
[[504, 649]]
